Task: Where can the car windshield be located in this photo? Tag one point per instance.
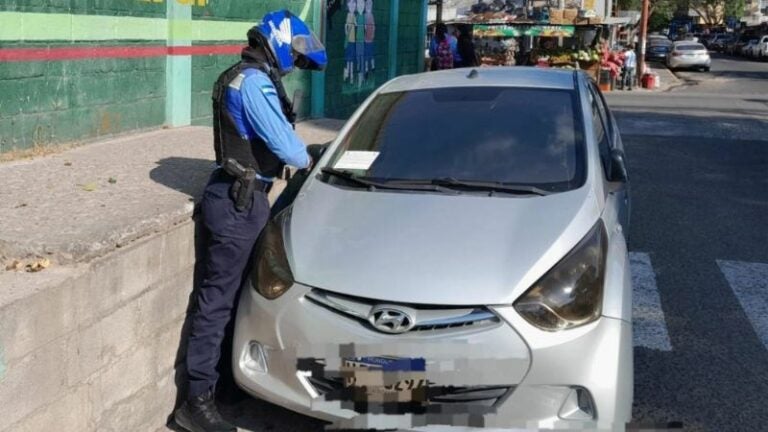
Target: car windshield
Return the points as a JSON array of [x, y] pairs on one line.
[[519, 136], [696, 47]]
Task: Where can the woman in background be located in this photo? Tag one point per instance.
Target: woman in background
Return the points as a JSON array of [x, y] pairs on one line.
[[443, 48]]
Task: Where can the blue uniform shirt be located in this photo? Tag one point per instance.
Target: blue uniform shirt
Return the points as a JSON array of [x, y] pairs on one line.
[[254, 105]]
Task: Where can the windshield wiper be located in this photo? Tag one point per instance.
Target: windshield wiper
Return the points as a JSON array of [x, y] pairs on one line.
[[520, 189], [491, 186], [373, 185]]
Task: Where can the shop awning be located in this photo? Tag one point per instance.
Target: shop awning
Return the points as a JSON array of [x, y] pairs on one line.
[[523, 30]]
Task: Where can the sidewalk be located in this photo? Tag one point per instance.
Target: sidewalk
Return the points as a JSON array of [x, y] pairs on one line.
[[82, 203], [667, 78], [95, 340]]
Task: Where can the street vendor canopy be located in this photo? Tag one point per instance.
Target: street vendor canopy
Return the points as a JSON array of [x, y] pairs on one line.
[[519, 30]]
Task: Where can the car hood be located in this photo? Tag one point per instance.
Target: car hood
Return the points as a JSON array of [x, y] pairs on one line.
[[427, 248]]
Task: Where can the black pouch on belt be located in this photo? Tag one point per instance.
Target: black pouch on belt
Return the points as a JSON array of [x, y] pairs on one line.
[[244, 185]]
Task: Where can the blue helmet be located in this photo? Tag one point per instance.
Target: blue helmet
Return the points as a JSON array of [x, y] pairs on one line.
[[289, 41]]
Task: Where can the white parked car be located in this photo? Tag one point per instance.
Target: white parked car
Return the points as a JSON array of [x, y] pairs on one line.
[[759, 50], [688, 55], [746, 50], [459, 250]]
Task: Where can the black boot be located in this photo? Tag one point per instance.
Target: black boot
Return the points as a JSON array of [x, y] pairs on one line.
[[200, 414]]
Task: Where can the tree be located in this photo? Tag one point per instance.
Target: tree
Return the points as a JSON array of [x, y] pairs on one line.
[[711, 11], [663, 7], [734, 8], [714, 12]]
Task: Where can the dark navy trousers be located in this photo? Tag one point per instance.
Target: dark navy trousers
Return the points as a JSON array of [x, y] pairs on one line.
[[231, 238]]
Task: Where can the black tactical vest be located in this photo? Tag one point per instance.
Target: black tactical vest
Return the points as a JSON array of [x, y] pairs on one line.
[[227, 141]]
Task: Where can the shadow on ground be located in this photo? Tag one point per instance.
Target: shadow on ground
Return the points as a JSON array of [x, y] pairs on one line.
[[186, 175]]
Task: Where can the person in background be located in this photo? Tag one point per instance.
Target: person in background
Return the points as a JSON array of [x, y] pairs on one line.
[[443, 48], [457, 60], [630, 64], [466, 50]]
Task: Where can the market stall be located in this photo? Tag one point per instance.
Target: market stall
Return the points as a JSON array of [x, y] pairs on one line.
[[560, 46]]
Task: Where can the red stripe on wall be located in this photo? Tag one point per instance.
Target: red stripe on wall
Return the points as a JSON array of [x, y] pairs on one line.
[[81, 53], [205, 50]]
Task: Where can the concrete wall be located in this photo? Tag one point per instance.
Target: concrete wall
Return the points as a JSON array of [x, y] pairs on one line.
[[94, 347]]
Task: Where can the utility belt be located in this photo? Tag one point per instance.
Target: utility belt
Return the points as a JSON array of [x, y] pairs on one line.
[[244, 183]]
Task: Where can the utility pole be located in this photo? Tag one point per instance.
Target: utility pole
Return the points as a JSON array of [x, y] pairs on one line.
[[439, 11], [643, 37]]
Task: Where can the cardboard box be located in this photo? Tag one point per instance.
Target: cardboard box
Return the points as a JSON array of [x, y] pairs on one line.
[[585, 21], [570, 14], [556, 14]]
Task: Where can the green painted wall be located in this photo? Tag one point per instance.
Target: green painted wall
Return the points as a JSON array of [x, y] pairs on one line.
[[205, 69], [251, 11], [47, 103], [140, 8], [342, 98], [54, 102], [409, 25]]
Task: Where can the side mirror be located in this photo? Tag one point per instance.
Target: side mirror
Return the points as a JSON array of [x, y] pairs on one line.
[[618, 168], [316, 151]]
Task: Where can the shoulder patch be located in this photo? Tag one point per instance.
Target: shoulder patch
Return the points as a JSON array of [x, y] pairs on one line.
[[237, 82], [268, 90]]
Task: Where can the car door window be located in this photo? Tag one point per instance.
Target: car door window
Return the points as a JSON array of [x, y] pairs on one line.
[[614, 140], [601, 132]]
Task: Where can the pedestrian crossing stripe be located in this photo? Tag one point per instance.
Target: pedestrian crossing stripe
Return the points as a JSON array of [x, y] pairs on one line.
[[649, 327], [749, 282]]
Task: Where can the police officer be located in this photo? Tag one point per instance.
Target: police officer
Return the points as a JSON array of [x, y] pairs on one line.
[[254, 138]]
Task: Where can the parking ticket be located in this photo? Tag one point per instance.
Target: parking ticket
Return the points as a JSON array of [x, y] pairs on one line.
[[356, 160]]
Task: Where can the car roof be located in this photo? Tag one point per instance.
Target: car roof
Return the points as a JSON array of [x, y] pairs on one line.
[[520, 76]]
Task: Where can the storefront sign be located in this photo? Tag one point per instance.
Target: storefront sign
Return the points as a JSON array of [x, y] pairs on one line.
[[515, 31]]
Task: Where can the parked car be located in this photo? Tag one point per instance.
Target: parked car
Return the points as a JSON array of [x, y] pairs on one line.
[[733, 46], [657, 53], [758, 50], [689, 37], [746, 49], [411, 241], [720, 42], [688, 55]]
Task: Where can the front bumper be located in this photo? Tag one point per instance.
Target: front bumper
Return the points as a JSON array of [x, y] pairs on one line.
[[541, 370]]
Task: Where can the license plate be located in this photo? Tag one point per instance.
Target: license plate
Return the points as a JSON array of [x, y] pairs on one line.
[[386, 379]]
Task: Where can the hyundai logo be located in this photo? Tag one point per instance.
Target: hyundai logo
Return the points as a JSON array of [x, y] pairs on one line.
[[391, 320]]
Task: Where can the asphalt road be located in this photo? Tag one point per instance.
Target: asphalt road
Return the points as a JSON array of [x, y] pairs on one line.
[[698, 161], [728, 75]]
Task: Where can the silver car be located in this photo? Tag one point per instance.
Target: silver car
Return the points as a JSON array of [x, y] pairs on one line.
[[457, 255], [689, 55]]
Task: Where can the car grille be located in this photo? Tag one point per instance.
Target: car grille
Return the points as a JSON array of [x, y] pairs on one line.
[[439, 398], [429, 318]]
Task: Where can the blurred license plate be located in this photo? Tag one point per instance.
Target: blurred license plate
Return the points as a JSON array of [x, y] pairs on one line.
[[387, 378]]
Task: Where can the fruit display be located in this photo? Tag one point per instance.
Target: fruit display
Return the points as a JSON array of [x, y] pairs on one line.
[[565, 56]]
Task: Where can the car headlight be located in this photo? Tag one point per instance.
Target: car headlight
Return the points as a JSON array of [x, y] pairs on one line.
[[571, 293], [271, 275]]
